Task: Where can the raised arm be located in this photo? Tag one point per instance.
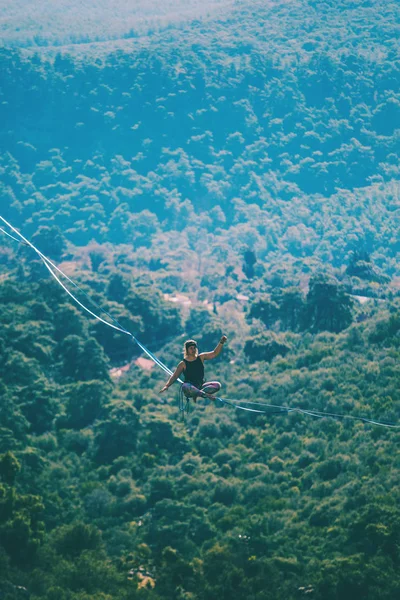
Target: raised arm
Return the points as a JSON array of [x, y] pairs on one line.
[[216, 351], [174, 376]]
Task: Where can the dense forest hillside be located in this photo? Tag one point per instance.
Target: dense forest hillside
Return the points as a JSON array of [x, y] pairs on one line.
[[200, 169], [26, 23]]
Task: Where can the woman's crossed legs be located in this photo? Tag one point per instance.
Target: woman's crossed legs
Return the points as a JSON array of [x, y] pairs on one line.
[[207, 389]]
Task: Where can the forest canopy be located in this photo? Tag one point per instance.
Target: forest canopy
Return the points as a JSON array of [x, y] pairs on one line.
[[221, 168]]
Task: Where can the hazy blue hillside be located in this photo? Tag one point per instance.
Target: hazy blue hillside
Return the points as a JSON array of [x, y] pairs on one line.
[[43, 23], [352, 27], [273, 108], [200, 168]]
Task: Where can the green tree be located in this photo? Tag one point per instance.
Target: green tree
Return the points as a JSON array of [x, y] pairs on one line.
[[118, 287], [96, 259], [160, 319], [68, 320], [72, 540], [9, 468], [20, 370], [71, 354], [249, 262], [264, 309], [83, 360], [11, 417], [39, 405], [327, 307], [265, 346], [290, 303], [117, 434], [198, 318], [21, 531], [94, 363], [50, 241], [85, 401]]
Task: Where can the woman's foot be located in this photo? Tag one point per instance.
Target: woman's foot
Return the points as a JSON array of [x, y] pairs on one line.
[[209, 396]]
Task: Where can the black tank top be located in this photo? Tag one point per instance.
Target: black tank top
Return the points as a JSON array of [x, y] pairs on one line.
[[194, 372]]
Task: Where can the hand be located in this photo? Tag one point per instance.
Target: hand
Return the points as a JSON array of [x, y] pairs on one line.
[[163, 389], [223, 339]]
